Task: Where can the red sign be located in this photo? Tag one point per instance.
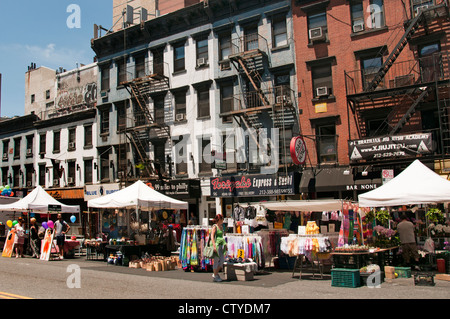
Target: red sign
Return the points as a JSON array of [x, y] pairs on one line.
[[298, 150]]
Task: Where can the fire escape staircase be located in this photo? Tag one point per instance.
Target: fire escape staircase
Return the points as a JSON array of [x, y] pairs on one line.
[[140, 89], [422, 18]]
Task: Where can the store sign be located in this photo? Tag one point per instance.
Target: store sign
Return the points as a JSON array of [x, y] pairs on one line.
[[181, 189], [95, 191], [387, 175], [387, 147], [298, 150], [254, 185]]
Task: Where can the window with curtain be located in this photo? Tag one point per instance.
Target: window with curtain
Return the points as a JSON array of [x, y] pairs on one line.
[[279, 31], [326, 143]]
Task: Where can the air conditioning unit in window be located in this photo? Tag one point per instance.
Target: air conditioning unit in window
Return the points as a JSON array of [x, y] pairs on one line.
[[322, 91], [72, 145], [104, 94], [29, 184], [180, 117], [55, 182], [29, 151], [70, 180], [419, 9], [5, 156], [201, 61], [316, 34], [358, 27]]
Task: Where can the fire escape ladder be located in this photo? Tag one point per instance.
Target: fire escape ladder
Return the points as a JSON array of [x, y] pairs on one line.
[[140, 149], [410, 30], [410, 112]]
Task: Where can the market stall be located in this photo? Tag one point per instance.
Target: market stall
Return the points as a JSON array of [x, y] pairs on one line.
[[416, 185], [39, 201], [135, 220]]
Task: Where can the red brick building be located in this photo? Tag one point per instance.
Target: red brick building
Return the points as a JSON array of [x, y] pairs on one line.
[[370, 72]]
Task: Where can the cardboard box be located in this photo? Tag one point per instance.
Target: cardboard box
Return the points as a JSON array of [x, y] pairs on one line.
[[389, 272], [445, 277], [243, 275]]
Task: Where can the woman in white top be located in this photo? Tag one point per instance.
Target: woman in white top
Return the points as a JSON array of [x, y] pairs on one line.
[[19, 239]]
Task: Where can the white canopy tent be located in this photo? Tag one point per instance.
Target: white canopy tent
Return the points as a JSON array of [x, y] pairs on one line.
[[417, 184], [137, 195], [303, 205], [39, 201]]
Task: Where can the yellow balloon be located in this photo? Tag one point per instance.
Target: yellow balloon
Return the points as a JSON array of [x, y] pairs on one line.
[[9, 223]]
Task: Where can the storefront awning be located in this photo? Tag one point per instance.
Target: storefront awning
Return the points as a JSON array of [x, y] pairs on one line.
[[335, 179]]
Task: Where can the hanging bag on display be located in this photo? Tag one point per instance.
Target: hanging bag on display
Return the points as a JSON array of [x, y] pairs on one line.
[[208, 252]]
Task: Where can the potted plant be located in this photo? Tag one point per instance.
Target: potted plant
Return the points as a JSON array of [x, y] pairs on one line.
[[434, 215], [383, 217]]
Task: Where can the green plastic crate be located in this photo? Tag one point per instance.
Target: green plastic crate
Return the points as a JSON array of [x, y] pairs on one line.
[[342, 277], [403, 272]]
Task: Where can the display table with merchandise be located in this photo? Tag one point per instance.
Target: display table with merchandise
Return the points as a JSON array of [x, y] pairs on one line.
[[360, 258], [127, 251]]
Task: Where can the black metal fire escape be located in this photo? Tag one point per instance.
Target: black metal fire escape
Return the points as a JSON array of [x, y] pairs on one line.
[[140, 90]]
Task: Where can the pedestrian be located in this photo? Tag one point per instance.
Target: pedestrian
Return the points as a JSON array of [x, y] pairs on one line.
[[219, 245], [408, 241], [61, 228], [35, 242], [19, 239], [193, 219]]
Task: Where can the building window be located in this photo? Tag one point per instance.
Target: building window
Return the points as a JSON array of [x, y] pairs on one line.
[[105, 85], [326, 140], [178, 57], [56, 142], [121, 71], [56, 175], [139, 62], [181, 156], [30, 139], [357, 15], [203, 102], [180, 106], [5, 149], [104, 167], [377, 19], [158, 109], [33, 98], [431, 65], [369, 69], [251, 38], [104, 121], [88, 171], [322, 80], [71, 173], [224, 50], [317, 26], [226, 101], [16, 176], [42, 175], [285, 137], [202, 51], [418, 5], [17, 148], [72, 139], [88, 136], [158, 61], [121, 110], [205, 155], [5, 176], [47, 94], [279, 32], [42, 143]]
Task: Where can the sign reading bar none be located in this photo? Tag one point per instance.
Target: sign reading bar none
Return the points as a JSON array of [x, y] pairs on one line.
[[397, 146]]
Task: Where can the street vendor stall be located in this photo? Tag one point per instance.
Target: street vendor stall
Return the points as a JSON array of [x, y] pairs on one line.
[[127, 206], [416, 185]]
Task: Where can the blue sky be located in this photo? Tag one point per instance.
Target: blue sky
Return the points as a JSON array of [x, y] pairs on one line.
[[37, 31]]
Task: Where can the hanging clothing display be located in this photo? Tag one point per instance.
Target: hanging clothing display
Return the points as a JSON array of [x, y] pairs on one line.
[[295, 245], [351, 226], [271, 240], [250, 244], [193, 240]]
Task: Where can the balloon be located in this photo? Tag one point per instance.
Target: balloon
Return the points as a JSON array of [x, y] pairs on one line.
[[12, 194], [50, 224], [9, 223], [15, 223], [73, 218], [44, 224], [7, 187]]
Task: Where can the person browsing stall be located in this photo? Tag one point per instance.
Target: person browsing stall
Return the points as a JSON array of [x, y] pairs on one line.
[[61, 228], [408, 241], [219, 245]]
